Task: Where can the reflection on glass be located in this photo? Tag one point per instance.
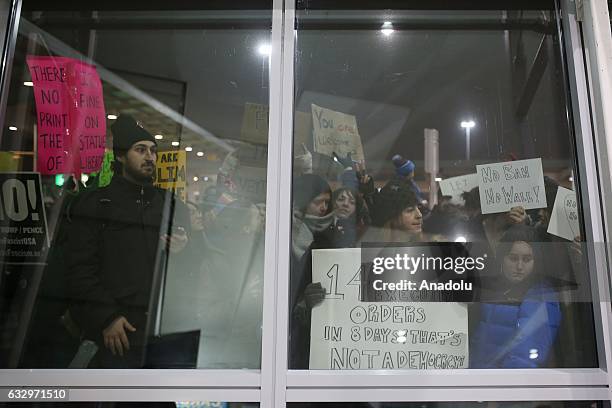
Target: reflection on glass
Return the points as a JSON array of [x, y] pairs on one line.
[[435, 222], [134, 170]]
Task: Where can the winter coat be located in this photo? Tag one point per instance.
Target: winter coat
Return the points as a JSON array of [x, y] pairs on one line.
[[517, 334], [112, 253]]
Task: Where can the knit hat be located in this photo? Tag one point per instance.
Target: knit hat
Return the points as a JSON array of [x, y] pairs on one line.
[[126, 132], [403, 167], [392, 199], [306, 187]]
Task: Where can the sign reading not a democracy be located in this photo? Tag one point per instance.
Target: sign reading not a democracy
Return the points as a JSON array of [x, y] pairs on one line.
[[348, 334], [23, 224], [503, 186]]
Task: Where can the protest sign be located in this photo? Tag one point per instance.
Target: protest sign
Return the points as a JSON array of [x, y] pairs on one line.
[[23, 222], [349, 334], [87, 116], [564, 218], [251, 183], [106, 170], [336, 132], [255, 123], [455, 186], [172, 172], [70, 115], [511, 184]]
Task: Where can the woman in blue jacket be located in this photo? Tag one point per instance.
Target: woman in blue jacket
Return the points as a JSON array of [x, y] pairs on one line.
[[518, 326]]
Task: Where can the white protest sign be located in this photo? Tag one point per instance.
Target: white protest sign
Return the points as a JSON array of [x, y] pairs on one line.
[[455, 186], [349, 334], [511, 184], [564, 218], [336, 132]]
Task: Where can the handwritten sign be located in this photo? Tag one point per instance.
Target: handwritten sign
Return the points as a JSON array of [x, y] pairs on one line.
[[106, 170], [455, 186], [336, 132], [511, 184], [70, 115], [87, 116], [172, 172], [23, 224], [251, 183], [564, 220], [255, 123], [347, 334]]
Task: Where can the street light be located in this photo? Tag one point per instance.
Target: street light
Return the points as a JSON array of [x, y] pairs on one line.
[[467, 125]]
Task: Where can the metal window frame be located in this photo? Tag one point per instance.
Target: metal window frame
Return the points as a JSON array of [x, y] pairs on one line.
[[274, 384]]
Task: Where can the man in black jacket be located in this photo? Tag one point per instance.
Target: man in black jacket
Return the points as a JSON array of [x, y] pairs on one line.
[[120, 236]]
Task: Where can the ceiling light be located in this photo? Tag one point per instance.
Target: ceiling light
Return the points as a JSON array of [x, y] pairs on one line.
[[175, 143], [13, 128], [468, 124], [206, 178], [188, 148], [159, 137], [111, 117], [265, 50], [460, 239], [387, 28], [438, 178], [195, 178], [28, 83], [200, 154]]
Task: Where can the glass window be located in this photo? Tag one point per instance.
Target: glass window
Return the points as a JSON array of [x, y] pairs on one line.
[[436, 223], [134, 177]]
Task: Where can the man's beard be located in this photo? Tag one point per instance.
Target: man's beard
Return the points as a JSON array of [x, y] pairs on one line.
[[139, 176]]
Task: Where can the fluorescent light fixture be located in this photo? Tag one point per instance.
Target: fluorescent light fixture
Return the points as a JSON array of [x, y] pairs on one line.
[[111, 117], [175, 143], [265, 50], [28, 83], [195, 178], [188, 148], [159, 137], [13, 128], [438, 178], [200, 154], [387, 28], [468, 124]]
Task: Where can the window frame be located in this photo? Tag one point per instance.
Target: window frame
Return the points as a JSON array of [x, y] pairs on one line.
[[273, 384]]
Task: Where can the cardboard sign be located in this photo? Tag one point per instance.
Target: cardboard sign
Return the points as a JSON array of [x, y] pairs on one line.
[[24, 237], [172, 172], [347, 334], [455, 186], [511, 184], [336, 132], [70, 115], [251, 183], [564, 221], [255, 123]]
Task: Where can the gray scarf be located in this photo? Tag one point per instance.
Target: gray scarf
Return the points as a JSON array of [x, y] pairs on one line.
[[303, 229]]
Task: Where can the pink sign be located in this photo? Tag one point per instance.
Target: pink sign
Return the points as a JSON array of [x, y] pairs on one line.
[[70, 115]]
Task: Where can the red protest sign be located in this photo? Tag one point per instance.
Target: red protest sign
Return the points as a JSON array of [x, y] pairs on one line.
[[70, 115]]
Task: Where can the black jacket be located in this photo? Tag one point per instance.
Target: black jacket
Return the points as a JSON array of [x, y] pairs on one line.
[[113, 251]]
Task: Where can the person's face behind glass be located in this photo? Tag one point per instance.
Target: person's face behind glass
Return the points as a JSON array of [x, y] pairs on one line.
[[319, 205], [344, 205], [410, 220], [518, 264]]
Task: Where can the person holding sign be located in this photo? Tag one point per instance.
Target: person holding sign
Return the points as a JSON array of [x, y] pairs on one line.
[[518, 327], [112, 251]]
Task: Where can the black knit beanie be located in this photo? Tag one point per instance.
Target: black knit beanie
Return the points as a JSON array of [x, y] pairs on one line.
[[126, 132], [306, 187]]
